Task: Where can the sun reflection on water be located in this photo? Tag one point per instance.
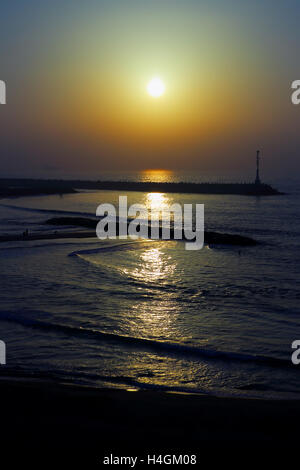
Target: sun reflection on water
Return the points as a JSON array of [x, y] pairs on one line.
[[159, 322], [156, 201], [158, 205], [153, 265], [157, 176], [154, 271]]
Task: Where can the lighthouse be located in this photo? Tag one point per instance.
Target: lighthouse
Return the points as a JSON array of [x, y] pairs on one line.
[[257, 179]]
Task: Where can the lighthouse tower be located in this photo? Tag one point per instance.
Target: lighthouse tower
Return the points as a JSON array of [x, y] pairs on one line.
[[257, 179]]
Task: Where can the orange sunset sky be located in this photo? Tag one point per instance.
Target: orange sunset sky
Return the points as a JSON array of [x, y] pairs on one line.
[[77, 75]]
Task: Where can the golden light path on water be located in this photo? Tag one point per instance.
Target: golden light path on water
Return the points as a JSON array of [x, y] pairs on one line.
[[154, 265], [154, 268], [160, 319], [158, 206]]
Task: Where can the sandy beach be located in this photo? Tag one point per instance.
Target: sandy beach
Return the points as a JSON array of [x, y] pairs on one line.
[[64, 420]]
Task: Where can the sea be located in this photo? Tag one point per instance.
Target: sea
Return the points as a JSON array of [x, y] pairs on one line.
[[149, 314]]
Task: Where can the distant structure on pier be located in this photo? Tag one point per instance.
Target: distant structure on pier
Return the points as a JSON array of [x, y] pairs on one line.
[[257, 179]]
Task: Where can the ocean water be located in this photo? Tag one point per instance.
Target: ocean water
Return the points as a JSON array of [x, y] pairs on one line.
[[149, 314]]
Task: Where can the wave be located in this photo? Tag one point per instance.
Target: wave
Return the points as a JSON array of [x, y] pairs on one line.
[[81, 378], [47, 211], [192, 294], [157, 346], [131, 245]]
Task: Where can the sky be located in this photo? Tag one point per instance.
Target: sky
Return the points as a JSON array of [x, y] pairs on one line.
[[77, 72]]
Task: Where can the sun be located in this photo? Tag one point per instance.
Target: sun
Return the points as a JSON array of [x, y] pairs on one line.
[[156, 87]]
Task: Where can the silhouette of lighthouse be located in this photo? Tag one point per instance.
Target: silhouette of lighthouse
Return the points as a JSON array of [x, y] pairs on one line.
[[257, 179]]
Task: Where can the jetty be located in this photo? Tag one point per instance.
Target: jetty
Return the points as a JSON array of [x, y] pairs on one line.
[[27, 187]]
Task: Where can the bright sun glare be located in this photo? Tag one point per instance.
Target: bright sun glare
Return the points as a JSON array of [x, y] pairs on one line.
[[156, 87]]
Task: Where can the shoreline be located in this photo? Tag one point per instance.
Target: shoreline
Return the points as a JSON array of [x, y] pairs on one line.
[[96, 422]]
